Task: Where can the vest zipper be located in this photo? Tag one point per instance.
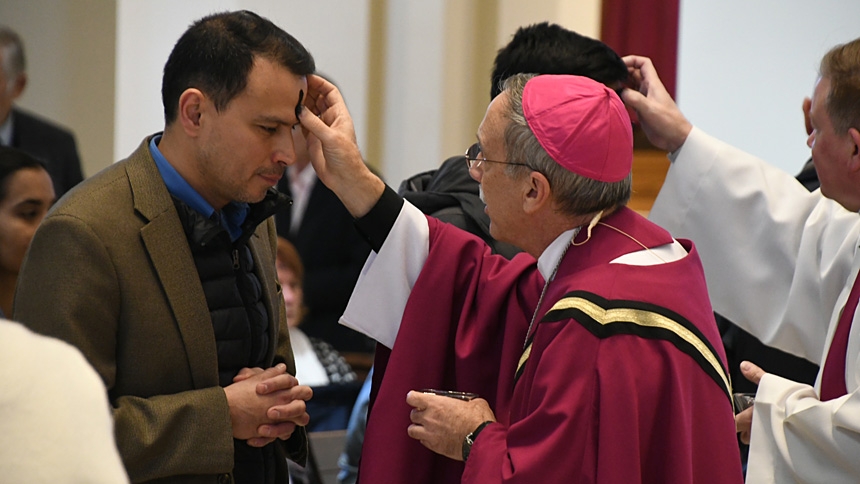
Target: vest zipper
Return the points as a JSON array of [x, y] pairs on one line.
[[235, 259]]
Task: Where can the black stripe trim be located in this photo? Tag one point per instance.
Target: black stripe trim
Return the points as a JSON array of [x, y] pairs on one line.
[[605, 318]]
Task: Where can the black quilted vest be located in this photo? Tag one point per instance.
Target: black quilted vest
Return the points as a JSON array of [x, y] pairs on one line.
[[234, 297]]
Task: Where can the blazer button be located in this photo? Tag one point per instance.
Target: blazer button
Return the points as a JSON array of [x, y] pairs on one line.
[[225, 479]]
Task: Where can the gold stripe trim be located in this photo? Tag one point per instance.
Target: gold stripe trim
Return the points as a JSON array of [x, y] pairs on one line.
[[525, 356], [642, 318]]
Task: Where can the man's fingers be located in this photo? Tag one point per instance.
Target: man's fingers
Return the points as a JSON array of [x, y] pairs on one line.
[[633, 98], [260, 441], [246, 373], [743, 424], [276, 383], [743, 420], [638, 62], [417, 432], [417, 399], [282, 430], [314, 124], [276, 370], [294, 411], [752, 372]]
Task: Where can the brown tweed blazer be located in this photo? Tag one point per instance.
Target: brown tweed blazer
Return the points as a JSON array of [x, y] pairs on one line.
[[110, 271]]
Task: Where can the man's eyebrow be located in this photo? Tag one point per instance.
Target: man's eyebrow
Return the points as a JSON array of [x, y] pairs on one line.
[[276, 120]]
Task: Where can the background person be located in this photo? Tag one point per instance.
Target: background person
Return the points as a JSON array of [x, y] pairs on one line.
[[547, 413], [48, 387], [451, 195], [26, 194], [49, 143], [318, 364], [781, 262], [331, 249]]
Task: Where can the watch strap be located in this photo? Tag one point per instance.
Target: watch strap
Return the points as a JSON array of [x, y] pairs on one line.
[[470, 439]]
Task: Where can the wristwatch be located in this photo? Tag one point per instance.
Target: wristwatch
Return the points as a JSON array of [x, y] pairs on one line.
[[470, 439]]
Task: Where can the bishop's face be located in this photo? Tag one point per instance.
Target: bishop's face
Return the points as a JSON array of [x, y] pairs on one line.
[[500, 191]]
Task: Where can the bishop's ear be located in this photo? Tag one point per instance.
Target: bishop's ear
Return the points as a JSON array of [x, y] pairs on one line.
[[537, 192]]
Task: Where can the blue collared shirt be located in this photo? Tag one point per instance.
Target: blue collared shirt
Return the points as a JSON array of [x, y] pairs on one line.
[[232, 215]]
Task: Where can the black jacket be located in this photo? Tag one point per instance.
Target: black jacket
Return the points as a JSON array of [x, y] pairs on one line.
[[452, 195], [52, 145]]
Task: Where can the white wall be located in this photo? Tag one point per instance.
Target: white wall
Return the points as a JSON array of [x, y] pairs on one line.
[[430, 110], [70, 66], [582, 16], [334, 31], [744, 68], [414, 77]]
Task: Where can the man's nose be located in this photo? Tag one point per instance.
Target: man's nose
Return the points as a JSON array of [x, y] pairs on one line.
[[283, 150]]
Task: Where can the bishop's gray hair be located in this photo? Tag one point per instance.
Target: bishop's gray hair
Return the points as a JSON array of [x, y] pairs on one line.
[[575, 194]]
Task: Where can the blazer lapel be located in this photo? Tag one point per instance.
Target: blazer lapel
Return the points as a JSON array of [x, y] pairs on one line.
[[171, 258]]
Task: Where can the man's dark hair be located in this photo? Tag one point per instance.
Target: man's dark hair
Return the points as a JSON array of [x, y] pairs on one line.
[[546, 48], [11, 161], [216, 55]]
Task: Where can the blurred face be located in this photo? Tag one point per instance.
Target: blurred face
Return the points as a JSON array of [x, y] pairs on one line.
[[499, 191], [10, 88], [30, 195], [831, 152], [293, 296], [245, 148]]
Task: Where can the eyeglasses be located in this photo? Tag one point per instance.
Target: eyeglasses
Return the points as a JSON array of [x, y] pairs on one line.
[[472, 160]]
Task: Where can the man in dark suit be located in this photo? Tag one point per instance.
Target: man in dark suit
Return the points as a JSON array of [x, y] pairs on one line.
[[331, 249], [51, 144], [161, 268]]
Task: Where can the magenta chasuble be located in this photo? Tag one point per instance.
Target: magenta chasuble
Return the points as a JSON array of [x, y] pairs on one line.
[[623, 380]]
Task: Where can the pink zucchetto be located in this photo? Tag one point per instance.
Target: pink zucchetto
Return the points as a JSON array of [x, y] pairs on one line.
[[581, 124]]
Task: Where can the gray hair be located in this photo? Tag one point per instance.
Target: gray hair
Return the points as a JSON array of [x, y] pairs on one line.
[[575, 194], [14, 63]]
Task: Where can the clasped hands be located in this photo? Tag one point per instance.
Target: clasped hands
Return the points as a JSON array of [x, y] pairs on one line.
[[266, 404]]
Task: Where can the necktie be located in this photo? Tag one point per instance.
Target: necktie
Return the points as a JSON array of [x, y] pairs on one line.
[[833, 374]]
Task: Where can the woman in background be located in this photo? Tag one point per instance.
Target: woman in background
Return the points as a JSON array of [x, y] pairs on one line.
[[69, 403], [318, 364], [26, 194]]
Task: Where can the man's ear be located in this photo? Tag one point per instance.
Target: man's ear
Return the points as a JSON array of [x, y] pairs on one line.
[[854, 136], [19, 85], [538, 193], [192, 104]]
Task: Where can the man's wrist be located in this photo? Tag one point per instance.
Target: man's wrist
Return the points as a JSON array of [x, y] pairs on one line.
[[470, 439], [377, 223]]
